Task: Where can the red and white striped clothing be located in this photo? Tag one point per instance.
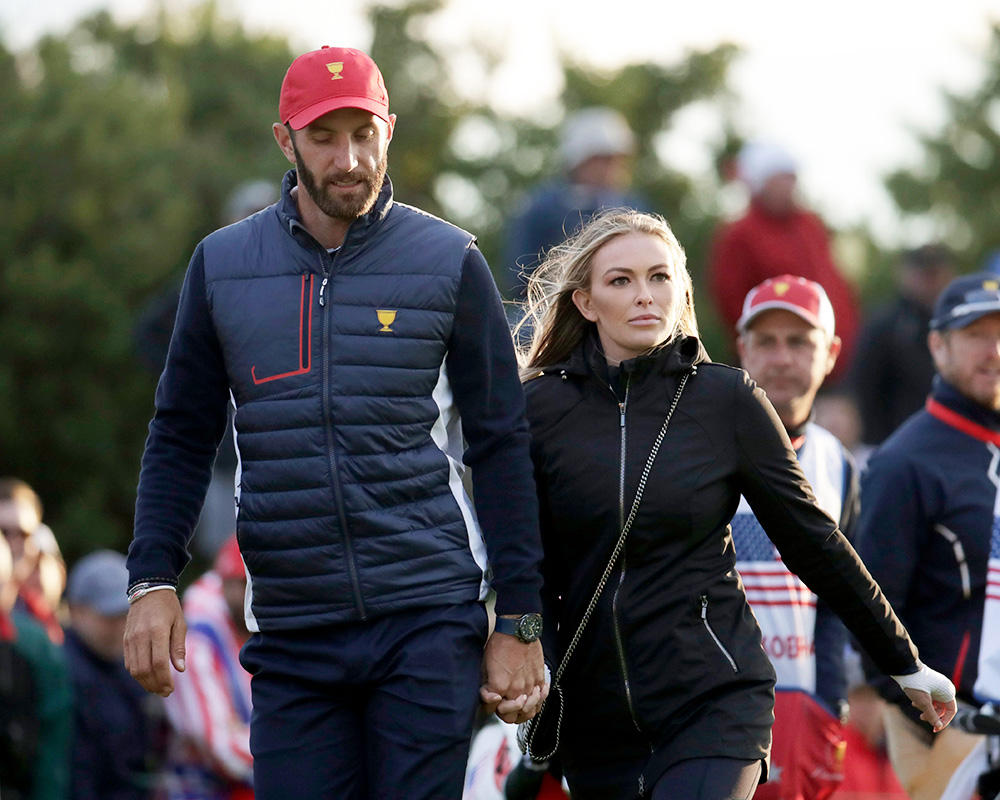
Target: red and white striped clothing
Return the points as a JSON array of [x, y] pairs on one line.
[[210, 706], [784, 606]]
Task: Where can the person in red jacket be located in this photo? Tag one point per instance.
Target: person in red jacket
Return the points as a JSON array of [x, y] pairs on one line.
[[777, 236]]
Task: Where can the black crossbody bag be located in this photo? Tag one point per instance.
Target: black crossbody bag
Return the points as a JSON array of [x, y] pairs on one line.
[[538, 738]]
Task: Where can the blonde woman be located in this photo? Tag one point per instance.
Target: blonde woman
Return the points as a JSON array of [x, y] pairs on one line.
[[669, 693]]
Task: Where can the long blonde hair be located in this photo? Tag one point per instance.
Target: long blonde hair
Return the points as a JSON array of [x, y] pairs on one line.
[[556, 325]]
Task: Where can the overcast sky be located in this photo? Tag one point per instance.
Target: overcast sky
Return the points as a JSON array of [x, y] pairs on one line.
[[843, 84]]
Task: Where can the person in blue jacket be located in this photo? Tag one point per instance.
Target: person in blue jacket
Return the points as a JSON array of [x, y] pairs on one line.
[[120, 730], [927, 513], [596, 149], [365, 348]]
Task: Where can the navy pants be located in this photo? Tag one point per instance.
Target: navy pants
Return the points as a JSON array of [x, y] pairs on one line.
[[709, 779], [378, 709]]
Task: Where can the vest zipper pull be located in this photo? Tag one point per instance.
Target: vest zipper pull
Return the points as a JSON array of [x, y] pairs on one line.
[[322, 288], [621, 414]]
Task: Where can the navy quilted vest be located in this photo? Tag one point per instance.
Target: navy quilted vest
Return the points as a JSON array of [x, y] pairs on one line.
[[350, 500]]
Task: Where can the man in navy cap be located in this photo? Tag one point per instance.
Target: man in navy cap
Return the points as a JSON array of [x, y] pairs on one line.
[[928, 512]]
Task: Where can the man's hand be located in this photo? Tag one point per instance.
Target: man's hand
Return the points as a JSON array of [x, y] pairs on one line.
[[154, 638], [514, 678]]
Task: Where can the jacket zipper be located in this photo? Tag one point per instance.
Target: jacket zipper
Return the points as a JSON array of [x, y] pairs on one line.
[[619, 642], [331, 452], [704, 619]]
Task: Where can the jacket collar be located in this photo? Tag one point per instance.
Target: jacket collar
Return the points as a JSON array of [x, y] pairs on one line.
[[359, 230], [678, 355], [948, 396]]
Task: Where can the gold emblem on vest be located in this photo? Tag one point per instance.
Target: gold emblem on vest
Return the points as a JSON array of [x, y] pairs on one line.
[[386, 317], [336, 68]]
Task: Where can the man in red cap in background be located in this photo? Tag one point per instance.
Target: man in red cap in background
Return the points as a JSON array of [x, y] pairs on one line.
[[210, 707], [365, 347], [788, 346]]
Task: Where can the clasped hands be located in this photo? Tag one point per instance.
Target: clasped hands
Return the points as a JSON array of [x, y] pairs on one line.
[[514, 681]]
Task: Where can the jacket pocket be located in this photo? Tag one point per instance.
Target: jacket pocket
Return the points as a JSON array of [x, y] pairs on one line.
[[715, 638]]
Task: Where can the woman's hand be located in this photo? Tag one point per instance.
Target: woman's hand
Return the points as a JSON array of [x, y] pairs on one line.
[[932, 694]]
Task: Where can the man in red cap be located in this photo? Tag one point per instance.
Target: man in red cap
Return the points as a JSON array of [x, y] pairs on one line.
[[365, 347], [788, 346]]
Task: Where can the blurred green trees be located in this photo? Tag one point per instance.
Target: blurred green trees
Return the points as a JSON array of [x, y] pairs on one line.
[[119, 148], [955, 192]]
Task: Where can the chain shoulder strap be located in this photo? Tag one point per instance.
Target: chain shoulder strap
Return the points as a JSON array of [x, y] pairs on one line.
[[624, 531]]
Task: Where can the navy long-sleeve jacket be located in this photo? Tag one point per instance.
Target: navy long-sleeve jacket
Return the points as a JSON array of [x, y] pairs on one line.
[[927, 500]]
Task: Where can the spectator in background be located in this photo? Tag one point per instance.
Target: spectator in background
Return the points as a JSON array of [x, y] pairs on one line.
[[595, 150], [49, 578], [893, 369], [36, 708], [34, 551], [119, 727], [927, 515], [788, 347], [209, 710], [777, 236]]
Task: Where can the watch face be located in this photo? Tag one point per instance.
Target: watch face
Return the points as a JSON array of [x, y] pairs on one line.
[[530, 627]]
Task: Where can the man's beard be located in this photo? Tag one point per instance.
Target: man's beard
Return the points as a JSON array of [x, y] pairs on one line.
[[343, 208]]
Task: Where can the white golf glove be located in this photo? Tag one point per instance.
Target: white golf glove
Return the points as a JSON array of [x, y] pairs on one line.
[[928, 680]]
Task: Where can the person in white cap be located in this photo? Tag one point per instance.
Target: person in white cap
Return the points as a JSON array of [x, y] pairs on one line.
[[777, 236], [595, 151]]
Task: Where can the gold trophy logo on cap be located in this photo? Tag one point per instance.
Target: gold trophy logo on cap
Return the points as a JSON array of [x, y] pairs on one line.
[[336, 68], [386, 317]]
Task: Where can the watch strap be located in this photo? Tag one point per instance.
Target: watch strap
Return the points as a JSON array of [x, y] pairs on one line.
[[508, 626]]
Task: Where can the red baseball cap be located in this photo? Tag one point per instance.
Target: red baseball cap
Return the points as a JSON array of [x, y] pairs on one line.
[[323, 80], [802, 297]]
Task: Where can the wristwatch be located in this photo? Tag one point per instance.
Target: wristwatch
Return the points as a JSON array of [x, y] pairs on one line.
[[527, 628]]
